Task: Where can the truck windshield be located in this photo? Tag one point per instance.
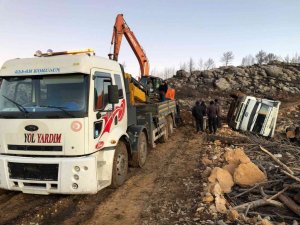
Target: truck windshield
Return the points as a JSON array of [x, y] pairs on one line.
[[44, 96]]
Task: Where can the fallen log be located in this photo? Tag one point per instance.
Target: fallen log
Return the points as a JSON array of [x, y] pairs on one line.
[[258, 203], [291, 176], [279, 193], [290, 203], [279, 216], [276, 160]]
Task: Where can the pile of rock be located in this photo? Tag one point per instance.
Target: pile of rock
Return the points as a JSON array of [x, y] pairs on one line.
[[238, 170], [262, 79]]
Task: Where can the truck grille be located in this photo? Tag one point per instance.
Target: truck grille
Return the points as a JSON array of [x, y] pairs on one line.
[[35, 148], [31, 171]]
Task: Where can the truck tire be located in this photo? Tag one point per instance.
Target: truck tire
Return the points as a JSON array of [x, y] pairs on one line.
[[165, 136], [170, 124], [139, 157], [120, 165]]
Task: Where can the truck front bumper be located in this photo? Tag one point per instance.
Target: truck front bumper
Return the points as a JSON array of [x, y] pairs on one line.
[[42, 175]]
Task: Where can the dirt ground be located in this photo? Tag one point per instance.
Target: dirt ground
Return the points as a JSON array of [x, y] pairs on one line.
[[165, 191]]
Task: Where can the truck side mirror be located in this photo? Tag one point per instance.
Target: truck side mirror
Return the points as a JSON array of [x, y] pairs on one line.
[[113, 94]]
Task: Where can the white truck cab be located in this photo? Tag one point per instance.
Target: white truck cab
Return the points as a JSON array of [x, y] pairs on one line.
[[50, 137], [248, 113]]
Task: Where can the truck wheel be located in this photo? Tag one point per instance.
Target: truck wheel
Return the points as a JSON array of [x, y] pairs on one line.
[[170, 124], [120, 165], [139, 157], [165, 136]]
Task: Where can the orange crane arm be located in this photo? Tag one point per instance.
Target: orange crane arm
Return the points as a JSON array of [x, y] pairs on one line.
[[121, 28]]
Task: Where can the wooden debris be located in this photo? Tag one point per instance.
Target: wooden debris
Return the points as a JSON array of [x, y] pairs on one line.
[[290, 203], [291, 176], [276, 160], [258, 203]]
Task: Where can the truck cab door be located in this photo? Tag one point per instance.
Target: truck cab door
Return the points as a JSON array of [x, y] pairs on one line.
[[106, 119]]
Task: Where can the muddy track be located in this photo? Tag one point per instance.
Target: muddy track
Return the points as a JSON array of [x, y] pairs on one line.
[[121, 206]]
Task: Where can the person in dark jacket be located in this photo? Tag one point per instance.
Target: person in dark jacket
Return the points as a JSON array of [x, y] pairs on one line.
[[197, 112], [163, 88], [219, 111], [204, 108], [212, 113]]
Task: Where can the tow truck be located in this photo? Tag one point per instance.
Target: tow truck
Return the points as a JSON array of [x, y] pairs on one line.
[[72, 124]]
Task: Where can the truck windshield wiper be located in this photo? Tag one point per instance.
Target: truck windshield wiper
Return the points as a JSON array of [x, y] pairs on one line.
[[57, 107], [19, 106]]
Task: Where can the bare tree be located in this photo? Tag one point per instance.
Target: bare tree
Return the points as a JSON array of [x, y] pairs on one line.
[[153, 72], [295, 59], [200, 64], [261, 57], [209, 64], [227, 57], [271, 57], [183, 66], [168, 72], [287, 59], [248, 60], [191, 64]]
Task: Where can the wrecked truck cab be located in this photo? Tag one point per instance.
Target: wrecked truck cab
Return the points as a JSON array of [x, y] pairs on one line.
[[248, 113]]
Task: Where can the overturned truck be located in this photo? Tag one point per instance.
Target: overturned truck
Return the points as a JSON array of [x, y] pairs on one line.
[[257, 115]]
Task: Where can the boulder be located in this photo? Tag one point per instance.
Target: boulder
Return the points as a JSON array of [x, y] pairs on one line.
[[222, 84], [206, 161], [192, 79], [236, 156], [208, 80], [182, 74], [208, 198], [220, 203], [215, 189], [196, 73], [223, 177], [273, 71], [207, 74], [230, 167], [232, 215], [248, 174]]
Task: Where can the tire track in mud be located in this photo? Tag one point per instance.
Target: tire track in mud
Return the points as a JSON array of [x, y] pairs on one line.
[[17, 205], [126, 204], [106, 207]]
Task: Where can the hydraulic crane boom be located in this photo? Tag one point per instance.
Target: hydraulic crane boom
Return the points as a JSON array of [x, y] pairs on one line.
[[137, 93], [121, 28]]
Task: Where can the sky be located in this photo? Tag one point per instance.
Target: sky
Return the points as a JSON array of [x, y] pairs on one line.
[[170, 31]]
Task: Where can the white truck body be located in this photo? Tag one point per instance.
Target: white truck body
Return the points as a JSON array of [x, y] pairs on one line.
[[65, 146], [248, 113]]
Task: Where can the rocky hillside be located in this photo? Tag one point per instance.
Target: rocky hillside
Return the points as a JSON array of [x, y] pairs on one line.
[[274, 79]]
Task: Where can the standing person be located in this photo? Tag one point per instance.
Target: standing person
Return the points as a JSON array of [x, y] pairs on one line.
[[219, 112], [163, 88], [197, 112], [204, 108], [212, 113], [178, 118]]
